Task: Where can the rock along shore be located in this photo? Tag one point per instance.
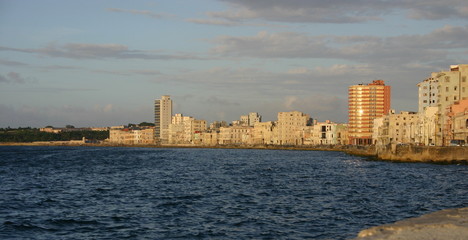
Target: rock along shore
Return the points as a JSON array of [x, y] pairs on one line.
[[445, 224]]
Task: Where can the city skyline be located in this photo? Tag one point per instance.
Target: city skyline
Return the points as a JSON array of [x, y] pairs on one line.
[[104, 63]]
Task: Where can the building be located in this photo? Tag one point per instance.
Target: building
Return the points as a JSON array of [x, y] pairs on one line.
[[428, 92], [235, 135], [427, 124], [162, 118], [366, 102], [132, 136], [452, 88], [263, 132], [322, 133], [399, 128], [456, 122], [290, 127], [249, 120], [183, 129]]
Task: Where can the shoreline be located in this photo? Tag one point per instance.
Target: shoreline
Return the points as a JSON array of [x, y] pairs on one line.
[[392, 153]]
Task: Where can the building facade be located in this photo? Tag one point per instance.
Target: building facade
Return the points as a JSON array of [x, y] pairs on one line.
[[452, 88], [290, 128], [162, 118], [184, 129], [428, 92], [399, 128], [132, 136], [365, 103]]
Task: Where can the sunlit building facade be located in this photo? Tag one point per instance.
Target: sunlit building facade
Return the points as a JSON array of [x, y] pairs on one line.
[[162, 118], [366, 102]]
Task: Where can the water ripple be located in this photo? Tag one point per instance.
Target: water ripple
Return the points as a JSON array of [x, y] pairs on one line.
[[128, 193]]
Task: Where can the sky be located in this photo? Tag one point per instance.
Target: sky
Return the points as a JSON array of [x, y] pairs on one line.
[[103, 63]]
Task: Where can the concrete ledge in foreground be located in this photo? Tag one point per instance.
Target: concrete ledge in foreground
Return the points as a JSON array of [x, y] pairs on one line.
[[444, 224]]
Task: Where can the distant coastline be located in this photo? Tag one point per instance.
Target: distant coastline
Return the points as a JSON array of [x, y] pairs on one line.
[[394, 153]]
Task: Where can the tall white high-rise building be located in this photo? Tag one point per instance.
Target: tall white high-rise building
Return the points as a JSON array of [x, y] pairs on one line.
[[162, 117]]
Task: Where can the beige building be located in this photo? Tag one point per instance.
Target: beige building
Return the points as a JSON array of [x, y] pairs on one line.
[[456, 123], [342, 134], [162, 118], [290, 128], [184, 129], [322, 133], [427, 124], [263, 133], [235, 135], [452, 88], [209, 138], [133, 136], [399, 128]]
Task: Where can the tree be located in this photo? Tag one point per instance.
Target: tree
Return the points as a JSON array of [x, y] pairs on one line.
[[69, 126], [146, 124]]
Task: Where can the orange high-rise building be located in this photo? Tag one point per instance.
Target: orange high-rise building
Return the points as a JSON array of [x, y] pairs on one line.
[[366, 103]]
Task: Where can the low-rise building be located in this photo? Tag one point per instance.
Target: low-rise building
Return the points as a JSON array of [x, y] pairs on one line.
[[235, 135], [132, 136], [456, 122], [399, 128]]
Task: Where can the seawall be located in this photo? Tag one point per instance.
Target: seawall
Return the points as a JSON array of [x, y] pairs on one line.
[[397, 153]]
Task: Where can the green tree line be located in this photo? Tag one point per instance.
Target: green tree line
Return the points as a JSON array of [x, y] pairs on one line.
[[33, 134]]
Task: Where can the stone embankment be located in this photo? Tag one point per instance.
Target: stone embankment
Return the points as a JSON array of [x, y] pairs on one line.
[[397, 153], [445, 224], [412, 153]]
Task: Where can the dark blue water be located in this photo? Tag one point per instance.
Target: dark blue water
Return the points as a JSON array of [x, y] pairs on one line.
[[138, 193]]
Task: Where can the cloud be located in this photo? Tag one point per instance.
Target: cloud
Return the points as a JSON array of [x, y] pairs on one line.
[[139, 12], [13, 77], [439, 44], [99, 51], [12, 63], [340, 11]]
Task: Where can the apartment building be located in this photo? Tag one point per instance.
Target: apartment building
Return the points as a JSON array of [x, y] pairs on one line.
[[452, 88], [428, 92], [366, 102], [162, 118], [235, 135], [399, 128], [290, 128], [182, 129], [456, 122], [132, 136]]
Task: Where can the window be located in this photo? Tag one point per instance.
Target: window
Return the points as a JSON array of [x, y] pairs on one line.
[[447, 79], [446, 89], [455, 88], [464, 79]]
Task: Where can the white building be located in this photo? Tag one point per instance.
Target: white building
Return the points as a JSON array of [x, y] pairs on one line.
[[162, 117], [428, 92]]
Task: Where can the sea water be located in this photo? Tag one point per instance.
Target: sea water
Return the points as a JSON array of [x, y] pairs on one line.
[[171, 193]]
